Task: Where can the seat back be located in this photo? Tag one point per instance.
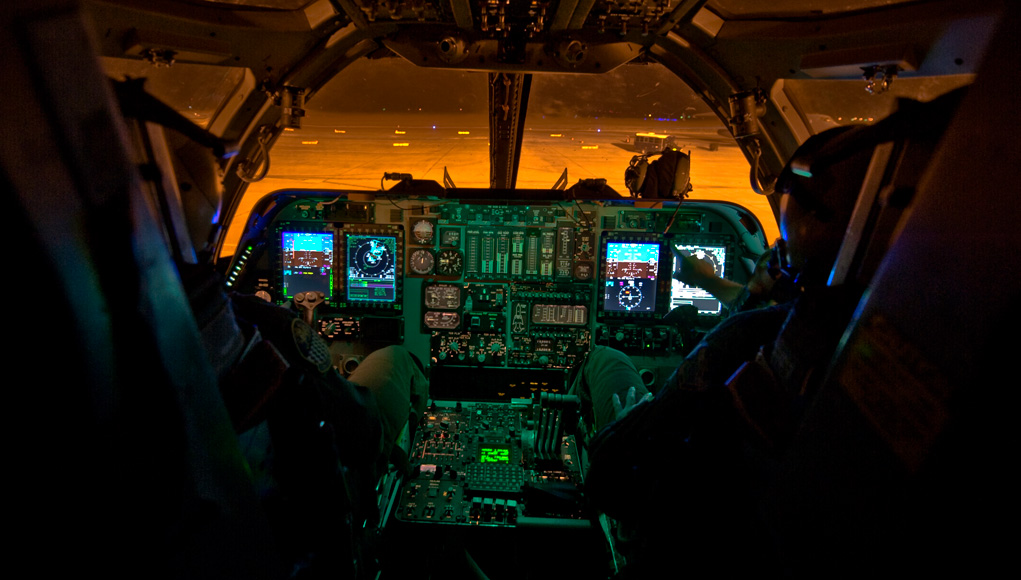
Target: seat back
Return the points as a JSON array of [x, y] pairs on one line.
[[124, 459], [901, 463]]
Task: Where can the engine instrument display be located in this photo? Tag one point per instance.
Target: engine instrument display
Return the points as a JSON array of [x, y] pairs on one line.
[[372, 264], [307, 262], [442, 296]]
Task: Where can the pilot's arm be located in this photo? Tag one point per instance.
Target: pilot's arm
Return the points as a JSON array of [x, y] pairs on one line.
[[695, 272]]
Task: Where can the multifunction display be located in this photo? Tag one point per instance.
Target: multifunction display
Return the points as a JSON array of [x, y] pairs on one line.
[[372, 268], [631, 272], [307, 263]]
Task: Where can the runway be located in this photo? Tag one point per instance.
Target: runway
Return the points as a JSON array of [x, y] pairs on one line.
[[351, 152]]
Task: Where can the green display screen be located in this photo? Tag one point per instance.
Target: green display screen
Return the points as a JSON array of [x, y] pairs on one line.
[[494, 455]]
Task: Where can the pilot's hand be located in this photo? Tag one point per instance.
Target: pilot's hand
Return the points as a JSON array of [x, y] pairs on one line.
[[691, 270], [769, 269], [629, 402]]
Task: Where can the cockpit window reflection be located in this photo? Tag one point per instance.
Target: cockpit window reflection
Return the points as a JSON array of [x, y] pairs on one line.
[[197, 91]]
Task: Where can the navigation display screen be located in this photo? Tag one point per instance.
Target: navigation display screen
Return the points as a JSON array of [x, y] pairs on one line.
[[372, 268], [307, 260], [681, 293], [631, 270]]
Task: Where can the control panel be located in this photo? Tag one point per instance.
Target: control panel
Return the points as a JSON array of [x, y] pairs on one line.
[[495, 465], [499, 300], [499, 296]]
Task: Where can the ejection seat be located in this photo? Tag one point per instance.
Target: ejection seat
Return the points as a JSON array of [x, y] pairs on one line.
[[123, 459], [903, 462]]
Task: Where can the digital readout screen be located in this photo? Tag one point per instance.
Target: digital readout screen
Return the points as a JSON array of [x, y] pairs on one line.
[[681, 293], [372, 268], [631, 271], [494, 454], [307, 262]]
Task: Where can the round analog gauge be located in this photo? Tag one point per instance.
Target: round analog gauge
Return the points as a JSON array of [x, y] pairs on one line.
[[629, 297], [583, 271], [423, 232], [421, 262], [449, 263]]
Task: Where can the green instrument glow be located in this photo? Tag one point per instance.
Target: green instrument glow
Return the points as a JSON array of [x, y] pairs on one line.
[[494, 455]]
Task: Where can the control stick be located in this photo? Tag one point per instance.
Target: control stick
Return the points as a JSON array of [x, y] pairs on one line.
[[307, 303]]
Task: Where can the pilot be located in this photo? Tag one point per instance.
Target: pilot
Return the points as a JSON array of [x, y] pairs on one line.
[[813, 215], [690, 441], [713, 436], [232, 327], [317, 442]]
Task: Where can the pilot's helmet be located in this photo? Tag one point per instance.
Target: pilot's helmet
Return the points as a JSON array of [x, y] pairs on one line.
[[200, 182], [825, 174]]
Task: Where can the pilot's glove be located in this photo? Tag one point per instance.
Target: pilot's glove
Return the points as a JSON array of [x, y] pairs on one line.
[[691, 270], [629, 403]]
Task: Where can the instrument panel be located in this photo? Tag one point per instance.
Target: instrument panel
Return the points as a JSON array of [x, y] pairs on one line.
[[483, 290], [498, 299]]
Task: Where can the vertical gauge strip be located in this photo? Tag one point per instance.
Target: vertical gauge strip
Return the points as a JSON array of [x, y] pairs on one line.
[[517, 253], [502, 252], [565, 251], [488, 254], [532, 255], [547, 251], [472, 252]]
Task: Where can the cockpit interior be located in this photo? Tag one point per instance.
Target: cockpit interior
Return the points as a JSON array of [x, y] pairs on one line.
[[498, 187]]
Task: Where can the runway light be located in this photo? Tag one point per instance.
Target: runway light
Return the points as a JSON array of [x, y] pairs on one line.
[[464, 132], [399, 132], [288, 129], [313, 142], [590, 146], [401, 144], [556, 134], [339, 131]]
